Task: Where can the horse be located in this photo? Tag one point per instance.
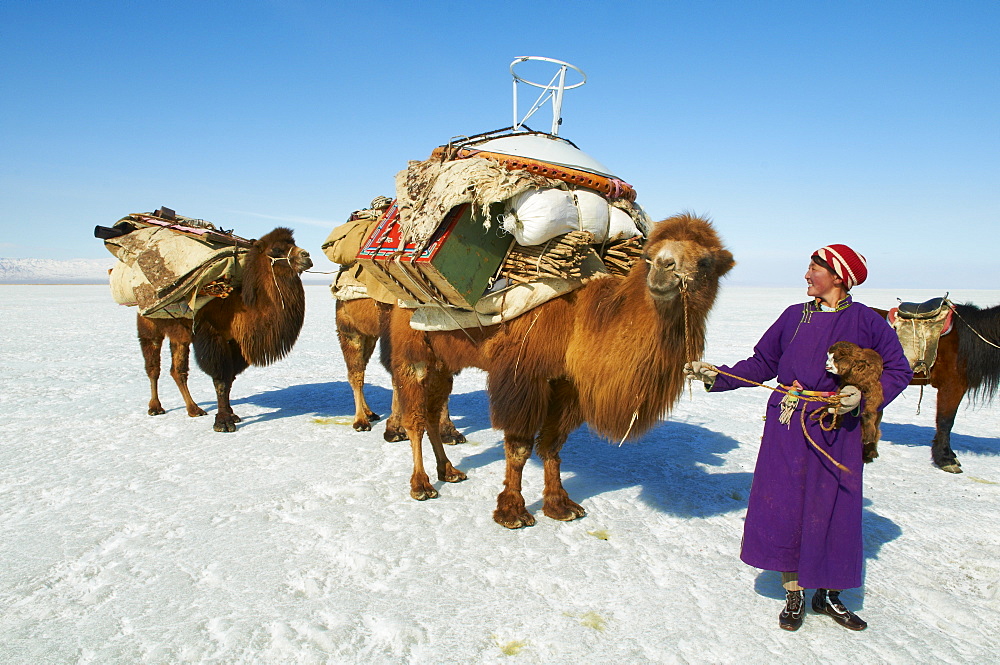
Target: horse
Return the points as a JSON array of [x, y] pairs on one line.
[[968, 362]]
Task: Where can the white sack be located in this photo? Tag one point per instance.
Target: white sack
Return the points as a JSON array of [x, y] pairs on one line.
[[537, 215], [592, 209], [621, 225]]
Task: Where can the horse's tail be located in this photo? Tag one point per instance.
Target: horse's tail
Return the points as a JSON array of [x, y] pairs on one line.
[[978, 334]]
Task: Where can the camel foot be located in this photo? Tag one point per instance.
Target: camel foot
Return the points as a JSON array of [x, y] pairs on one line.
[[156, 410], [563, 510], [451, 475], [513, 519], [362, 426], [421, 488], [451, 436], [394, 434], [225, 423], [197, 411]]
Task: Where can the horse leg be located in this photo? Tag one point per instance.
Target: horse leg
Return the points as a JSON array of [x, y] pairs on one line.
[[179, 366], [511, 511], [151, 343], [438, 388], [561, 419], [949, 397]]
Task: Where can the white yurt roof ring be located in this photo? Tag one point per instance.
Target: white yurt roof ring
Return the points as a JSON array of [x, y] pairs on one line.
[[553, 90]]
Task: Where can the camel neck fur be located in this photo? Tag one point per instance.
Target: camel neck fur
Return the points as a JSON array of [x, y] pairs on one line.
[[627, 351], [273, 310]]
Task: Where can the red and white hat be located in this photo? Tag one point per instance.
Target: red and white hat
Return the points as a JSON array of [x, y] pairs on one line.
[[848, 265]]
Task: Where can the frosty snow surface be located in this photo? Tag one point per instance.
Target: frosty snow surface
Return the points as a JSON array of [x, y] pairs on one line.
[[126, 538]]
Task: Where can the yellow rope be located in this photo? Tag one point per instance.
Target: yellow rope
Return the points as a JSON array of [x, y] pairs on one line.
[[832, 401]]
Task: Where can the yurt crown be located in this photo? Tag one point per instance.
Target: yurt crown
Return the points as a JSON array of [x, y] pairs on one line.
[[553, 90]]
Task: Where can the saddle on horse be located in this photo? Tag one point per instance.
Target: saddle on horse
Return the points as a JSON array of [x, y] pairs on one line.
[[919, 327]]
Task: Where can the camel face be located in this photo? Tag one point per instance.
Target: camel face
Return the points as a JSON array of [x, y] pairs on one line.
[[280, 248], [672, 266]]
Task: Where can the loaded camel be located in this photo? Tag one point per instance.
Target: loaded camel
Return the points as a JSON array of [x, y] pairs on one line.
[[258, 323], [361, 323], [608, 354]]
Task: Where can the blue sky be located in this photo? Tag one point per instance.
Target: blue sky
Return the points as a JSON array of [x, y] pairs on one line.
[[792, 124]]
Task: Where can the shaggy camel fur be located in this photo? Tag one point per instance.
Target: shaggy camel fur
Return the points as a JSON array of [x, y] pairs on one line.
[[861, 368], [258, 323], [152, 332], [360, 324], [609, 354]]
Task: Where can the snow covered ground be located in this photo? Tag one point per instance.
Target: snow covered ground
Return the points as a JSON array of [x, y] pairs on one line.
[[126, 538]]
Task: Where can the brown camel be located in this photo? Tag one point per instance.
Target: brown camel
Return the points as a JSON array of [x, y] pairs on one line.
[[360, 324], [152, 332], [609, 354], [258, 323]]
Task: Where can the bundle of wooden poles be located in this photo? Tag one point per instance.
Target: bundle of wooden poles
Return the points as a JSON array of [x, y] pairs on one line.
[[563, 257], [619, 255]]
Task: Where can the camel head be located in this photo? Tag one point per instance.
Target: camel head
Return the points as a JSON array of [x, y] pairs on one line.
[[273, 259], [684, 251], [279, 247]]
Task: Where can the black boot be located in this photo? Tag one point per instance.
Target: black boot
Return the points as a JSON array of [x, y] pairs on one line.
[[795, 609], [828, 602]]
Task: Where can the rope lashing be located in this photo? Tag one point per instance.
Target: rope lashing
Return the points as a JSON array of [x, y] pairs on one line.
[[832, 401]]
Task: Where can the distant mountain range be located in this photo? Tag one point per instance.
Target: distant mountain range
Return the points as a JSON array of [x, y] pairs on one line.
[[81, 271], [50, 271]]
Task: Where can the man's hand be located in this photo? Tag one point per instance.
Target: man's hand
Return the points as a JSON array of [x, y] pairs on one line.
[[703, 372]]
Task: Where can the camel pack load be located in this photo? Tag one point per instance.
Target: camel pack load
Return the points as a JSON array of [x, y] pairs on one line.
[[487, 228], [169, 266]]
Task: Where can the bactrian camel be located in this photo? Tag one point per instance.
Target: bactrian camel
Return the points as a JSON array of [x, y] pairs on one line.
[[258, 323], [609, 354]]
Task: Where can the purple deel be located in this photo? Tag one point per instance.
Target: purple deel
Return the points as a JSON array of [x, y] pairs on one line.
[[804, 513]]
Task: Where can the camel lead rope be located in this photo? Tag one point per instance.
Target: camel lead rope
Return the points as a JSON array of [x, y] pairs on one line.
[[832, 401], [688, 344]]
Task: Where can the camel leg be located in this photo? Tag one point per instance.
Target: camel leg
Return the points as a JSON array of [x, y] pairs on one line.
[[409, 393], [561, 419], [438, 388], [151, 343], [179, 366], [511, 511], [872, 434], [449, 433], [357, 349], [222, 360], [948, 398], [394, 430]]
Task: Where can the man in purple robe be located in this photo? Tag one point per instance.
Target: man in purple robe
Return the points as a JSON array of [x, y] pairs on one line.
[[804, 513]]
